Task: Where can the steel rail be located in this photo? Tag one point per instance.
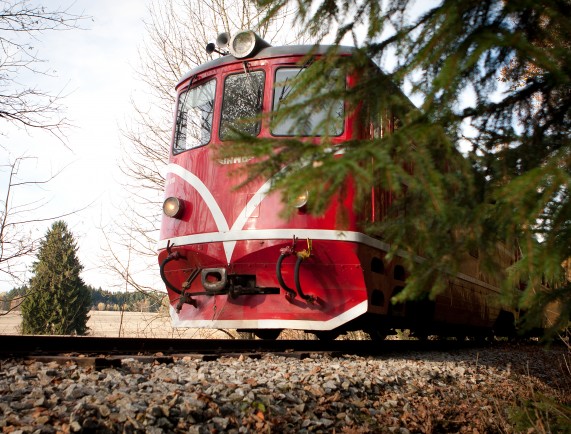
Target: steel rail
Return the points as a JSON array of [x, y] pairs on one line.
[[26, 346]]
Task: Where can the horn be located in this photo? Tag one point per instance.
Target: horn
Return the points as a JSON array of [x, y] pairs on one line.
[[222, 40], [210, 48]]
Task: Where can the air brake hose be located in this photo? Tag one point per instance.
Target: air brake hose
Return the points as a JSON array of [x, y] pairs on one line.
[[309, 298], [171, 257], [286, 288]]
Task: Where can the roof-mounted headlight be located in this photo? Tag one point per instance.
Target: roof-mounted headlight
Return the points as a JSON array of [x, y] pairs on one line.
[[173, 207], [245, 44]]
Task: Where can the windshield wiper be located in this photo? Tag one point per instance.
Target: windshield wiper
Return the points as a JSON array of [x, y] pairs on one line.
[[287, 89], [182, 104], [257, 90]]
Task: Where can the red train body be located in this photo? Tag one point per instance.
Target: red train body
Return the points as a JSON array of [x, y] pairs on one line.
[[230, 261]]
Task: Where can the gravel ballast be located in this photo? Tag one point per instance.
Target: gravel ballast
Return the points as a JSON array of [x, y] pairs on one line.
[[463, 391]]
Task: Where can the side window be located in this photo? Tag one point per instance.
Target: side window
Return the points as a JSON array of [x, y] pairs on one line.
[[194, 117], [242, 103], [314, 117]]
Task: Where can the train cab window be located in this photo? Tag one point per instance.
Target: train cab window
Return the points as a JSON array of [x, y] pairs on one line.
[[242, 103], [314, 125], [194, 117]]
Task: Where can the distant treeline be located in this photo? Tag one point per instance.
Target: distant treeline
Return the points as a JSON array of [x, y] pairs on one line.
[[100, 300]]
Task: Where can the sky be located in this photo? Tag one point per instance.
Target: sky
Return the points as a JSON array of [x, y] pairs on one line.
[[95, 69]]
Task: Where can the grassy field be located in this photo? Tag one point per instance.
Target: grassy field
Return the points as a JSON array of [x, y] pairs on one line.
[[146, 325], [126, 324]]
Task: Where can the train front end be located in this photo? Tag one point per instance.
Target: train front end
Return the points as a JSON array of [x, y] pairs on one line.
[[227, 257]]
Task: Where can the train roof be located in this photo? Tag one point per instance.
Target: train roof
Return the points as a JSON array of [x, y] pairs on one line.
[[291, 50], [270, 52]]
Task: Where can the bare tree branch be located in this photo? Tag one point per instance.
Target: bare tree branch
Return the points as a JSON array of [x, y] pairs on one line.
[[21, 25]]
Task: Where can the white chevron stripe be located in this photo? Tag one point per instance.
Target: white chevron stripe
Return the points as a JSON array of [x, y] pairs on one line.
[[204, 192], [216, 211]]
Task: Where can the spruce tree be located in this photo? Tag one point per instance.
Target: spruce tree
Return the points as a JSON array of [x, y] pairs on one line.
[[57, 301], [501, 68]]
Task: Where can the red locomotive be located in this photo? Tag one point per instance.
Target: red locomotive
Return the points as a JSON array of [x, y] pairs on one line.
[[230, 261]]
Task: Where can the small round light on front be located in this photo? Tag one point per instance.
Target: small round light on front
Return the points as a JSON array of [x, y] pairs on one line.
[[173, 207], [301, 200]]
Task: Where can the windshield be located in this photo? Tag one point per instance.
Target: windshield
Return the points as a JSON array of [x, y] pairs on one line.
[[194, 118], [313, 118], [242, 104]]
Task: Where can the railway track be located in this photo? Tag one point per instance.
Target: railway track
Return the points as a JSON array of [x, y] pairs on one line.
[[98, 349]]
